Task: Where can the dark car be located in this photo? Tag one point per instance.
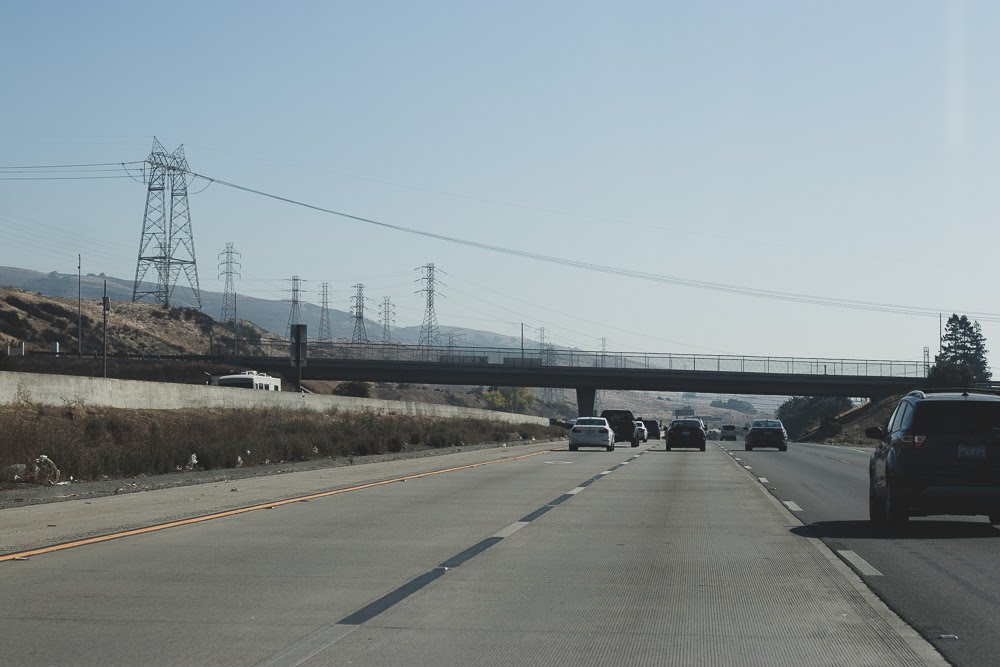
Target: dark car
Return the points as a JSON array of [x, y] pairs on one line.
[[766, 433], [623, 424], [938, 454], [653, 428], [686, 433]]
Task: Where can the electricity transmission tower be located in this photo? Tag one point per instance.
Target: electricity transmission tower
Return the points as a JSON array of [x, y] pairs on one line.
[[429, 327], [455, 338], [295, 315], [359, 335], [229, 265], [387, 318], [167, 242], [325, 331]]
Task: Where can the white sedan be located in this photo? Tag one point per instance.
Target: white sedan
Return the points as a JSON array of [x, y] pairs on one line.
[[642, 431], [591, 432]]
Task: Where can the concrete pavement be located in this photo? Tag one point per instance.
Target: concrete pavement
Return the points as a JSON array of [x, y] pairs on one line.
[[631, 557]]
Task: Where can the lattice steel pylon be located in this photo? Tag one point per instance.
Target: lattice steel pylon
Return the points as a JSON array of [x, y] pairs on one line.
[[325, 330], [229, 264], [167, 242], [545, 357], [387, 318], [295, 314], [429, 328], [358, 310]]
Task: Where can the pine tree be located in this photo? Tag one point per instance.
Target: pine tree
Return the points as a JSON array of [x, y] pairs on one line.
[[963, 354]]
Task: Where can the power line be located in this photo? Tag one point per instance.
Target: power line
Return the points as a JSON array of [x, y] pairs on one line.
[[836, 302]]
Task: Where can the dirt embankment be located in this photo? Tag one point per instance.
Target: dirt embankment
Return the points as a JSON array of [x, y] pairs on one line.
[[849, 428]]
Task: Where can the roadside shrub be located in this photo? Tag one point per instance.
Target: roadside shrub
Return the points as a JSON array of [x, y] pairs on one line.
[[354, 388]]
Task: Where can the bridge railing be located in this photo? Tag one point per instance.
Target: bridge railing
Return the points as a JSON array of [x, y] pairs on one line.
[[599, 359]]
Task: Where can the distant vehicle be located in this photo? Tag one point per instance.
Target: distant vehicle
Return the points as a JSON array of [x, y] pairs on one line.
[[686, 433], [247, 380], [766, 433], [653, 428], [591, 432], [643, 431], [938, 454], [713, 434], [623, 424], [729, 432]]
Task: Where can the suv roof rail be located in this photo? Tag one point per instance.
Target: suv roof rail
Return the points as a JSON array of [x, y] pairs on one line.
[[917, 393], [958, 390]]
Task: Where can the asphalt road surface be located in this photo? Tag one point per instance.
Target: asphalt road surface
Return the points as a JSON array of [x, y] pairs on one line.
[[527, 556], [939, 573]]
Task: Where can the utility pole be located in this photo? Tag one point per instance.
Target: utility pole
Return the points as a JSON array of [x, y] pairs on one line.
[[106, 307], [79, 305], [167, 242], [522, 340], [229, 265], [359, 335]]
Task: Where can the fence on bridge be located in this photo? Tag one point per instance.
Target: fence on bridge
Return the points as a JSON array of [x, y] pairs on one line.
[[596, 359]]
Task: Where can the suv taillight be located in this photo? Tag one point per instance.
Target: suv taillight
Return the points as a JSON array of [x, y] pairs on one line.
[[915, 440]]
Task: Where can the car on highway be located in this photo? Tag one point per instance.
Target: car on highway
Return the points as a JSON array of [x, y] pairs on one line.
[[713, 434], [729, 432], [623, 424], [641, 429], [653, 428], [766, 433], [686, 433], [591, 432], [939, 453]]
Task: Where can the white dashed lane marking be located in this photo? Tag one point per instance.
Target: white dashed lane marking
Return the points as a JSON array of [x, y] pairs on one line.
[[511, 529], [748, 467], [791, 505], [575, 491], [763, 480], [860, 564]]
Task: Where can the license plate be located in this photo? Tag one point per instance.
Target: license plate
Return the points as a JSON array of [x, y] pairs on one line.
[[686, 433], [968, 452]]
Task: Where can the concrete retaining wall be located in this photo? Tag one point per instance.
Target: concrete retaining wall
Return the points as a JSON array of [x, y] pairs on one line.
[[46, 389]]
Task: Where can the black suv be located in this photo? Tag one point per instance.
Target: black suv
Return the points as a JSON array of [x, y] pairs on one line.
[[939, 454]]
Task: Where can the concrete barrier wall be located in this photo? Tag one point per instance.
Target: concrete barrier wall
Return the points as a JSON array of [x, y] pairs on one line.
[[46, 389]]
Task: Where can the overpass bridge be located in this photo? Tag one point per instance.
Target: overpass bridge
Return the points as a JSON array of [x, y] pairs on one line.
[[587, 371]]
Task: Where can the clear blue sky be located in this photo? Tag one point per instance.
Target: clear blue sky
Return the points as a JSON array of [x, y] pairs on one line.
[[844, 149]]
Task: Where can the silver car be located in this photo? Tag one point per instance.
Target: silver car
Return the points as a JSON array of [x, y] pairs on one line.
[[591, 432]]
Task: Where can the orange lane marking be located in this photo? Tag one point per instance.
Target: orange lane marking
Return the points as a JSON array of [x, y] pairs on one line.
[[252, 508]]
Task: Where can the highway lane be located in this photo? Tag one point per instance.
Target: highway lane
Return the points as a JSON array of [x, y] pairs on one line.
[[939, 573], [590, 557]]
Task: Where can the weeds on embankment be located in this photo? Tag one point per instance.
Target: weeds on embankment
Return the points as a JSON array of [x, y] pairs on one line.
[[93, 443]]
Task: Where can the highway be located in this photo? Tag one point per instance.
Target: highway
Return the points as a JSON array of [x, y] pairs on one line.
[[528, 555], [939, 573]]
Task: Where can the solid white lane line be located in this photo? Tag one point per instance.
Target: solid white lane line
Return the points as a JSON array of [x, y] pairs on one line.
[[859, 563], [763, 480], [511, 529], [792, 506], [573, 492]]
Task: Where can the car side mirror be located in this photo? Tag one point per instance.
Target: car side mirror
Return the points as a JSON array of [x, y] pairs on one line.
[[874, 432]]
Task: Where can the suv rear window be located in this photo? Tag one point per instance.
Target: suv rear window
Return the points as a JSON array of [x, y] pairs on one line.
[[687, 422], [956, 417]]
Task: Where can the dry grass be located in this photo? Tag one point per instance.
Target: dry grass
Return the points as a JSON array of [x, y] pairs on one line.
[[93, 443]]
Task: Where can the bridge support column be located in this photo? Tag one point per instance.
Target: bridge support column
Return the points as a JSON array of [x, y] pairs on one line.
[[585, 401]]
